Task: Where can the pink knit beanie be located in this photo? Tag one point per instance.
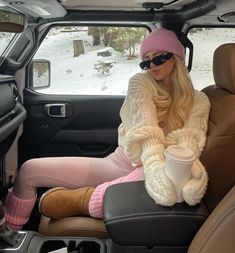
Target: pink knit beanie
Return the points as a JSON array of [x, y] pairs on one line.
[[162, 40]]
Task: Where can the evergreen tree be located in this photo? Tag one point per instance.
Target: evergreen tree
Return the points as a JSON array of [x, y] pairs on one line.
[[119, 38], [126, 38]]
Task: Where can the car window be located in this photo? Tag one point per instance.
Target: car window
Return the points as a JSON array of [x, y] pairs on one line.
[[5, 39], [205, 41], [92, 60], [88, 60]]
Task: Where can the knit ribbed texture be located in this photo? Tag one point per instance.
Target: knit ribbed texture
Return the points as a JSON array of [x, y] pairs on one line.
[[96, 201], [17, 211], [162, 40], [154, 153], [140, 138]]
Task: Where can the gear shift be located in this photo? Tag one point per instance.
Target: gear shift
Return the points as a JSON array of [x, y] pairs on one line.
[[8, 236]]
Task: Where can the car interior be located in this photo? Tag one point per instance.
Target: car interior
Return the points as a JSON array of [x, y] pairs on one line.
[[34, 123]]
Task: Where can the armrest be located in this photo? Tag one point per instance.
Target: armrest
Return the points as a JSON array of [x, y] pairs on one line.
[[131, 217]]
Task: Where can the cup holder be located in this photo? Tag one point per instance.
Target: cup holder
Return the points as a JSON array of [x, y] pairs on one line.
[[36, 243], [52, 245], [77, 245], [85, 247]]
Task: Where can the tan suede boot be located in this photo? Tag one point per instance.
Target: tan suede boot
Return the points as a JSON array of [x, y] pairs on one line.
[[61, 202]]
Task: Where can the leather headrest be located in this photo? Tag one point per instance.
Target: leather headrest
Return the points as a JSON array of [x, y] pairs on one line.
[[224, 67]]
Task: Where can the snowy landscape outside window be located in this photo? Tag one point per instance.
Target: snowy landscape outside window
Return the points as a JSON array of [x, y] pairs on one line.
[[205, 41], [100, 60], [91, 60]]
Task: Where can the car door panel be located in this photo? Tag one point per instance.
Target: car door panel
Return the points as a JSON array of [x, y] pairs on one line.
[[12, 114], [88, 128]]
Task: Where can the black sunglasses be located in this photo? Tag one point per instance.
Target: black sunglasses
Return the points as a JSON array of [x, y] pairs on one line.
[[158, 60]]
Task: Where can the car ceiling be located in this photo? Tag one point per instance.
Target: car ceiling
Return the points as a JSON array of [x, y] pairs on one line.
[[199, 12]]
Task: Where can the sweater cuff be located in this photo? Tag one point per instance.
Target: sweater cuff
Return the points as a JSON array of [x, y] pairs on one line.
[[189, 137], [152, 154], [139, 139]]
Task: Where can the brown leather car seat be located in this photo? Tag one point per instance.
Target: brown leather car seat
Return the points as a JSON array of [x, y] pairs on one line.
[[217, 234], [73, 226], [218, 155]]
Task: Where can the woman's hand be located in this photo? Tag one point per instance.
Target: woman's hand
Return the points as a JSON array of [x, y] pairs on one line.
[[157, 183], [159, 186], [195, 188]]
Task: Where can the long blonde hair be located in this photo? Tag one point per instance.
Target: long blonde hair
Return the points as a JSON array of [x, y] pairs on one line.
[[182, 95]]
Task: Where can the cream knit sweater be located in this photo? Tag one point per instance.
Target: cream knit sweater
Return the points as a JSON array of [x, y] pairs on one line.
[[144, 141]]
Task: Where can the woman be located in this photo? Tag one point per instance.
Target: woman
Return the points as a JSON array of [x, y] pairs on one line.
[[161, 109]]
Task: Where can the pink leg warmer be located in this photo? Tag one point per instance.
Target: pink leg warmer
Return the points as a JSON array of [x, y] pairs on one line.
[[17, 211], [96, 201]]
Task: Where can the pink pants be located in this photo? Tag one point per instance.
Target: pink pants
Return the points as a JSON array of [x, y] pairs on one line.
[[74, 172]]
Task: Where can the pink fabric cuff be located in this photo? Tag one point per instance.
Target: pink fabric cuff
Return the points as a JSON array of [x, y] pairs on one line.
[[96, 201]]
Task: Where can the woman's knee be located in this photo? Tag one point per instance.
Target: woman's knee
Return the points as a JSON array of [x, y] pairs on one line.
[[22, 184], [27, 167]]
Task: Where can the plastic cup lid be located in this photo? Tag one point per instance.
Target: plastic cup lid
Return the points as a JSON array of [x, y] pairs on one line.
[[178, 152]]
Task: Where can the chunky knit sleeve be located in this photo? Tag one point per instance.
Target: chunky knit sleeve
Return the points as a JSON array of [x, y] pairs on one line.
[[139, 118]]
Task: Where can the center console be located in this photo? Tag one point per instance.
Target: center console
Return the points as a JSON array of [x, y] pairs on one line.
[[134, 222], [32, 242]]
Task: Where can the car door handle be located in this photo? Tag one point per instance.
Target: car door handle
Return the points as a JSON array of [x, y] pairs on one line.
[[58, 110]]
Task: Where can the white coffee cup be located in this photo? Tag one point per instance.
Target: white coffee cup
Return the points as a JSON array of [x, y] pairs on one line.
[[179, 161]]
